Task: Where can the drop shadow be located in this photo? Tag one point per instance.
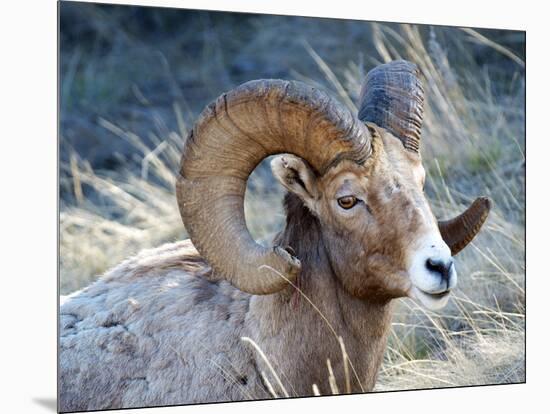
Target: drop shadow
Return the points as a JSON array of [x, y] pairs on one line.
[[49, 403]]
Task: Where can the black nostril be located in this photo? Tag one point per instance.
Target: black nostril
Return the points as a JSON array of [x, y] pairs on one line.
[[440, 266]]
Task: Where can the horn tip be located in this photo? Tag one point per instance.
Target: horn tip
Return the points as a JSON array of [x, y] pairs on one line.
[[294, 264], [485, 202]]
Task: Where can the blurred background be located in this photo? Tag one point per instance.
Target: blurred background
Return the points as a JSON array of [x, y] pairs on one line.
[[134, 79]]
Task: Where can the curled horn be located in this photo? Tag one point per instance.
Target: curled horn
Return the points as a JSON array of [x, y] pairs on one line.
[[231, 137], [461, 230], [392, 97]]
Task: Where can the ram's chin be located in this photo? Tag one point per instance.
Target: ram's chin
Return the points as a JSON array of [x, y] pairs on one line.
[[428, 300]]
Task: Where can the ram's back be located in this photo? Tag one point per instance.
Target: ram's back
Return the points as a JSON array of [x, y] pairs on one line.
[[158, 329]]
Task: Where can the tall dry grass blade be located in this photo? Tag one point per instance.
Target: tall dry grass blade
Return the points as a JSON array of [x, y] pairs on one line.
[[77, 184], [182, 126], [332, 379], [380, 43], [316, 390], [266, 360], [345, 359], [149, 158], [330, 76], [268, 385], [498, 266], [499, 48]]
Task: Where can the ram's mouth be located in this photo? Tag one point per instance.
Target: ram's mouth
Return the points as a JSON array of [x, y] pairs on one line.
[[437, 295], [431, 300]]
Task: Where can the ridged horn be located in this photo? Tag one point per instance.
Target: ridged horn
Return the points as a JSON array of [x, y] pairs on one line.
[[461, 230], [392, 97], [231, 137]]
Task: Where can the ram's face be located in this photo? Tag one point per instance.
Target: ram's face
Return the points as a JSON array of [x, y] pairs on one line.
[[379, 232]]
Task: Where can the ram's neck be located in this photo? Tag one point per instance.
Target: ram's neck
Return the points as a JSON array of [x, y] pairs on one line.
[[299, 331]]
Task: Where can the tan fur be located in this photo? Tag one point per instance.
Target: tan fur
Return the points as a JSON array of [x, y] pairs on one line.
[[370, 246]]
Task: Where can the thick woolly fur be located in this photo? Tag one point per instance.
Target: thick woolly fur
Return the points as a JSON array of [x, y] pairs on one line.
[[153, 331], [162, 328]]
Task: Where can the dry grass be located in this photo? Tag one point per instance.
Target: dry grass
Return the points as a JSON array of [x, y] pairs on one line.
[[473, 145]]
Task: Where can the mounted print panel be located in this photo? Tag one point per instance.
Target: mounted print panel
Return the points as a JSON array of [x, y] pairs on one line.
[[258, 206]]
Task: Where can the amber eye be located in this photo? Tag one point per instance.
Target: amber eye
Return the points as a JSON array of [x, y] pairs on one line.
[[347, 202]]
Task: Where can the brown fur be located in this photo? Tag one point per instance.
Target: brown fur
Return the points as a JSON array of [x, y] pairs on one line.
[[368, 247], [166, 321]]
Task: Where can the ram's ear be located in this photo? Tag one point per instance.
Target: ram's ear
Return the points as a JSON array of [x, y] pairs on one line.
[[297, 177]]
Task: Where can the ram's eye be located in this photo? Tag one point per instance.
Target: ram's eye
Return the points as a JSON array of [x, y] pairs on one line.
[[347, 202]]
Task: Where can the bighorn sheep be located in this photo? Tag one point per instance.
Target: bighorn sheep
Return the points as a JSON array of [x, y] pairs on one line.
[[165, 327]]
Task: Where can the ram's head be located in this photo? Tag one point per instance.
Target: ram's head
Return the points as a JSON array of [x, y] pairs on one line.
[[361, 176]]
